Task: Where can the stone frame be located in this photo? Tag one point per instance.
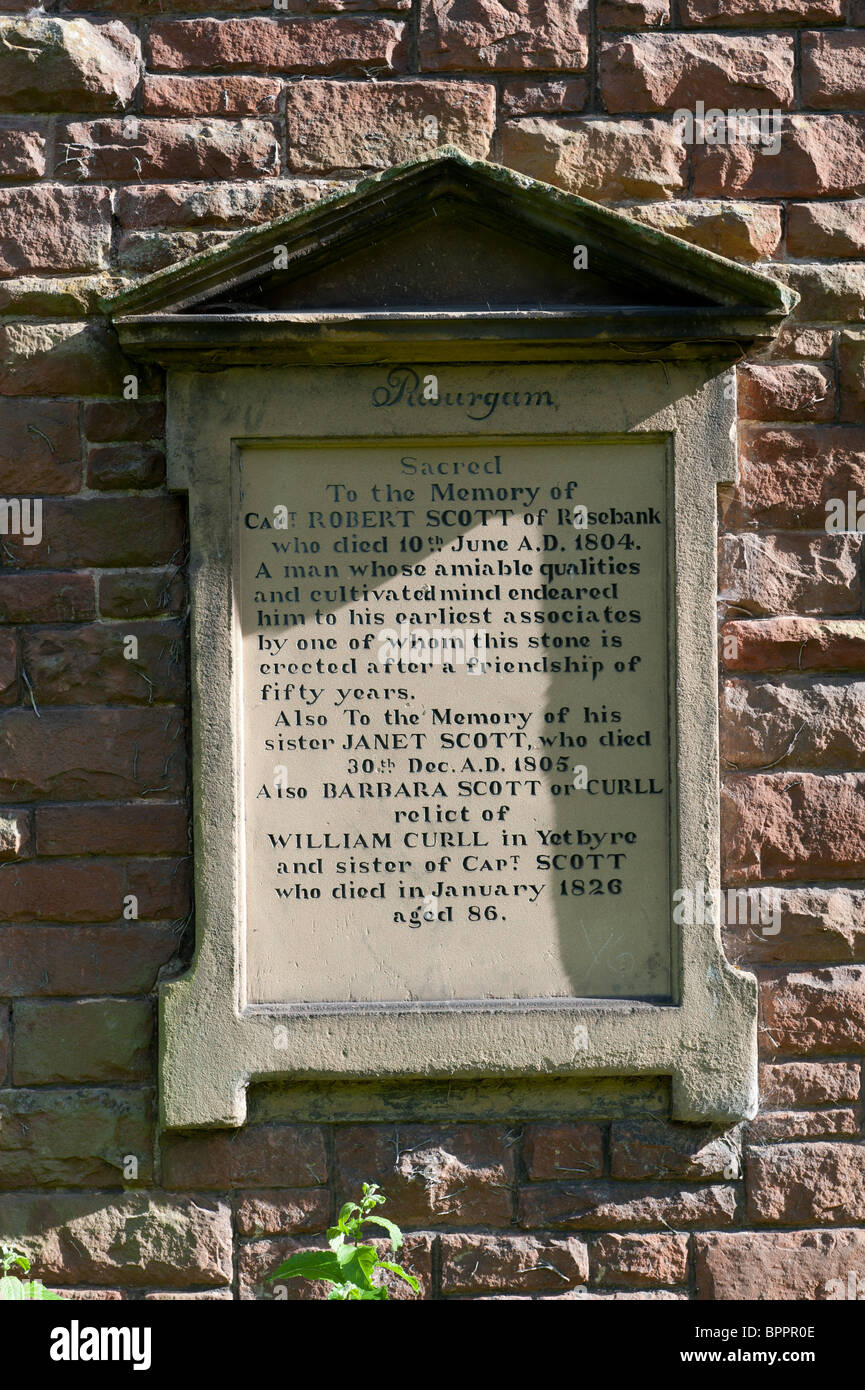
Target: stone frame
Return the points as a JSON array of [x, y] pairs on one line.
[[675, 361]]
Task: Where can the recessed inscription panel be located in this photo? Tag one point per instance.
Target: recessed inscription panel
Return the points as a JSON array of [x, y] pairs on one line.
[[454, 711]]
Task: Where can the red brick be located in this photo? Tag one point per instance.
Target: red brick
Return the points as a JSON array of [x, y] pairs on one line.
[[789, 573], [22, 148], [158, 149], [794, 644], [820, 156], [142, 593], [64, 960], [813, 1012], [77, 1137], [291, 1211], [557, 1151], [799, 1265], [104, 531], [362, 47], [81, 1040], [448, 1175], [640, 1262], [784, 724], [93, 890], [54, 228], [788, 475], [64, 359], [851, 361], [158, 828], [47, 598], [40, 449], [669, 72], [809, 1083], [546, 34], [88, 665], [256, 1260], [654, 1149], [796, 391], [796, 1184], [210, 96], [259, 1156], [600, 1206], [833, 70], [92, 754], [122, 466], [826, 229], [793, 825], [511, 1264], [124, 421]]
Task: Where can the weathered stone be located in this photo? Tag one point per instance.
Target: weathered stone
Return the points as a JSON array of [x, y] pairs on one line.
[[546, 34], [820, 156], [84, 755], [139, 828], [851, 362], [775, 723], [806, 1265], [53, 1137], [601, 159], [40, 447], [51, 227], [742, 231], [558, 1151], [257, 1156], [210, 96], [815, 1012], [365, 47], [292, 1211], [49, 64], [94, 664], [54, 961], [793, 825], [432, 1175], [47, 598], [64, 359], [142, 593], [762, 13], [826, 229], [335, 127], [510, 1264], [796, 1184], [110, 531], [655, 1149], [809, 1083], [791, 391], [787, 476], [136, 1240], [814, 924], [671, 72], [794, 644], [88, 1040], [140, 253], [94, 890], [56, 297], [22, 149], [229, 205], [764, 574], [640, 1262], [151, 148], [535, 97], [257, 1260], [786, 1125], [798, 341], [633, 14], [8, 668], [15, 835], [601, 1206], [833, 70], [833, 293], [124, 420]]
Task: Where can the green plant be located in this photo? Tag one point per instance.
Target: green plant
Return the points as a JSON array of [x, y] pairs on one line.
[[12, 1287], [348, 1266]]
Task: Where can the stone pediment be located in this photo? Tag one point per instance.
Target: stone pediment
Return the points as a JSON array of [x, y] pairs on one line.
[[453, 259]]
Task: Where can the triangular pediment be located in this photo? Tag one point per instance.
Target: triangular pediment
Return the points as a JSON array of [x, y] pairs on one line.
[[446, 248]]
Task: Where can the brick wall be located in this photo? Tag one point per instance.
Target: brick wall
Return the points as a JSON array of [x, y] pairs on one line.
[[132, 136]]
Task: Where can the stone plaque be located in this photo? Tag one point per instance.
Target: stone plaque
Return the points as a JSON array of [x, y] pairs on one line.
[[456, 779]]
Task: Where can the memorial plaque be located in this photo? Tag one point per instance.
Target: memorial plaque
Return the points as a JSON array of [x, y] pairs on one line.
[[454, 694]]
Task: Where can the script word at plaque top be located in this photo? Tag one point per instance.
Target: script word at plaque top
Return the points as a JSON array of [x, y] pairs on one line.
[[454, 709]]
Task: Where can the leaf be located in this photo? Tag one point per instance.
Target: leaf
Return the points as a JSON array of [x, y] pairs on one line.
[[357, 1263], [393, 1231], [398, 1269], [12, 1290], [310, 1264], [36, 1289]]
